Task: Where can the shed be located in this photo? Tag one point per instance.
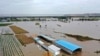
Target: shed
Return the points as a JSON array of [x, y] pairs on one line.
[[38, 41], [54, 50], [67, 46], [41, 43]]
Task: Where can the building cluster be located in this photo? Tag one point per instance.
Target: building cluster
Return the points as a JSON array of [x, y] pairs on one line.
[[8, 19], [55, 47], [78, 17]]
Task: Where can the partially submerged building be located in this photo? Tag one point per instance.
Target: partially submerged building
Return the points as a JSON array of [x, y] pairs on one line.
[[67, 46], [50, 39], [51, 49], [41, 43], [59, 44], [54, 50]]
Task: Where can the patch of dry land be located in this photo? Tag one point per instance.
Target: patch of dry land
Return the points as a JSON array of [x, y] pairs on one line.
[[20, 35], [18, 30], [24, 39]]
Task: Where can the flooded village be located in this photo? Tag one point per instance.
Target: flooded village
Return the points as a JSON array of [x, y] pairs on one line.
[[41, 35], [49, 27]]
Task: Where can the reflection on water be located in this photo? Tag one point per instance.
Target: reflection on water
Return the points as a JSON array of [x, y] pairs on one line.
[[86, 28]]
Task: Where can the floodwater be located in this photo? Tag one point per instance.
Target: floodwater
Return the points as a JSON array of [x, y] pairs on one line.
[[84, 28], [29, 50]]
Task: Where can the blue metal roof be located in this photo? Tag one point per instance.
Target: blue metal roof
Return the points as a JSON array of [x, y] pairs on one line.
[[67, 45]]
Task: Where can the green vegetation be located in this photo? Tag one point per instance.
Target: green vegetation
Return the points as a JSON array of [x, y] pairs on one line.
[[14, 19], [62, 17], [5, 24], [92, 19], [37, 23]]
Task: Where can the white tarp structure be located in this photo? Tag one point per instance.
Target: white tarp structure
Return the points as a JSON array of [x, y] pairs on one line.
[[54, 50], [38, 40]]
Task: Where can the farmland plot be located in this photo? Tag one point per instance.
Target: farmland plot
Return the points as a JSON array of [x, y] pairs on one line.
[[10, 46]]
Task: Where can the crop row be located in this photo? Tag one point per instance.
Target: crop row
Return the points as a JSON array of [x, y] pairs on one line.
[[10, 46]]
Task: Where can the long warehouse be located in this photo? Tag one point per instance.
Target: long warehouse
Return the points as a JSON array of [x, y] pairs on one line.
[[67, 46]]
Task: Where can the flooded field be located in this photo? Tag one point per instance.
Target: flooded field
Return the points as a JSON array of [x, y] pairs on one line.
[[84, 28], [11, 46]]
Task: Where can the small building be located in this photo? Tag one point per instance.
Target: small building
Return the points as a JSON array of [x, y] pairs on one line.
[[38, 41], [67, 46], [41, 43], [54, 50]]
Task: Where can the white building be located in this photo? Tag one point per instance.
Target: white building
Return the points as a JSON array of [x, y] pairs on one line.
[[24, 19], [54, 50]]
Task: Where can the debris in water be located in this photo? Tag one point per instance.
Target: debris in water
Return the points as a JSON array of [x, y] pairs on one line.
[[98, 51], [58, 25], [79, 37], [37, 23]]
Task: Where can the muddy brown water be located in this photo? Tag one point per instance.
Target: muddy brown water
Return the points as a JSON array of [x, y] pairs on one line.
[[85, 28]]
